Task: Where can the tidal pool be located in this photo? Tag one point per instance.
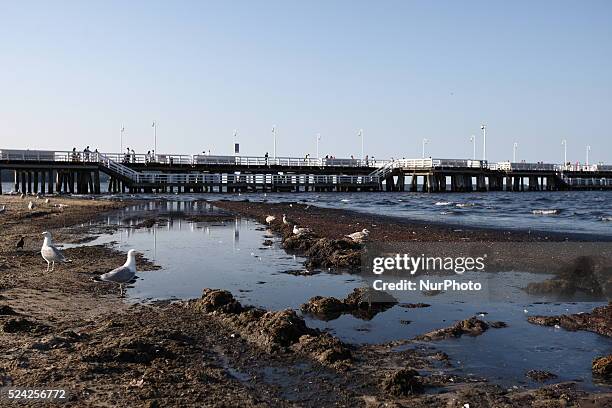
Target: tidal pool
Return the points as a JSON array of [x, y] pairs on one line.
[[231, 254]]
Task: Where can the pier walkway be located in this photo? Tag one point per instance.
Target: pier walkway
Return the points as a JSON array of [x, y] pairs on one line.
[[77, 172]]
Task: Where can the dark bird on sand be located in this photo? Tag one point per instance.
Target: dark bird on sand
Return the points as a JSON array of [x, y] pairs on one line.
[[20, 243]]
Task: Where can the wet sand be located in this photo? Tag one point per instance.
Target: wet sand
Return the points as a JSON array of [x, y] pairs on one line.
[[62, 330]]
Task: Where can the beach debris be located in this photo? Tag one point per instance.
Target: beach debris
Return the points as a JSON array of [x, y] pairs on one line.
[[20, 325], [413, 305], [403, 382], [270, 219], [359, 236], [123, 274], [6, 310], [50, 253], [471, 327], [598, 321], [602, 367], [363, 303], [540, 375]]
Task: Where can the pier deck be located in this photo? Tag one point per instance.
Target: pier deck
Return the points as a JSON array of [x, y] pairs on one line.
[[77, 172]]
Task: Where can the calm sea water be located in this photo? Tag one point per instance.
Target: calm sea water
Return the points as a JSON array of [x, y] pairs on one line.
[[231, 255]]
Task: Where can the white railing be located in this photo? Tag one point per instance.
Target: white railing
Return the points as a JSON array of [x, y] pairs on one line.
[[509, 166], [270, 179]]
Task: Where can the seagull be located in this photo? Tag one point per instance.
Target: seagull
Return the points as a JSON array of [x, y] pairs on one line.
[[285, 221], [31, 206], [22, 196], [299, 231], [269, 219], [47, 201], [50, 253], [122, 274], [359, 236], [20, 243], [2, 209]]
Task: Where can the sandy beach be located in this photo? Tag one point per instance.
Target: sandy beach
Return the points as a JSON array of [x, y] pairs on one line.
[[61, 330]]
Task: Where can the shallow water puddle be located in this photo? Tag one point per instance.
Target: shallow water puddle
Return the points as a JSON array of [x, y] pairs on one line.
[[198, 252]]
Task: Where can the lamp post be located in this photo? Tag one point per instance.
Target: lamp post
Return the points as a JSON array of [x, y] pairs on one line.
[[425, 141], [121, 140], [318, 139], [588, 149], [484, 141], [514, 147], [274, 137], [360, 134], [155, 137], [473, 140], [564, 143], [234, 141]]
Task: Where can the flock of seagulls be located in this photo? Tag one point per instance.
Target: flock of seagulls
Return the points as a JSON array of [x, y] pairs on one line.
[[51, 254], [359, 236]]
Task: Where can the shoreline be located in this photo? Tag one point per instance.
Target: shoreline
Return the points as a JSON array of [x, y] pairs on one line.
[[104, 350], [436, 230]]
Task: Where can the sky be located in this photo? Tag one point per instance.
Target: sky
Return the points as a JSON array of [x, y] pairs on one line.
[[74, 72]]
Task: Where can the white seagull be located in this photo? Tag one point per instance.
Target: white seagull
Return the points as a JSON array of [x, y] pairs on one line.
[[122, 274], [2, 209], [299, 231], [50, 253], [359, 236], [47, 201], [31, 206], [269, 219], [285, 221]]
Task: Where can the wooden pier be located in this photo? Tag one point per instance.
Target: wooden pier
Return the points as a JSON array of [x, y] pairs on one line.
[[68, 172]]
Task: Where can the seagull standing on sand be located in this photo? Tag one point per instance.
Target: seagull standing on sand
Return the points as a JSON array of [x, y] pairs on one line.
[[20, 243], [2, 209], [285, 221], [122, 274], [359, 236], [50, 253], [31, 206], [300, 231], [270, 219], [22, 196]]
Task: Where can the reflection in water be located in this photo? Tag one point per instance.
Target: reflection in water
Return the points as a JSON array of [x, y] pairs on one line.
[[200, 256]]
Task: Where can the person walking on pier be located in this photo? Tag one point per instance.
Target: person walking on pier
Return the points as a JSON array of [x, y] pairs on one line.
[[75, 155], [266, 157], [133, 156], [126, 158], [86, 152], [147, 157]]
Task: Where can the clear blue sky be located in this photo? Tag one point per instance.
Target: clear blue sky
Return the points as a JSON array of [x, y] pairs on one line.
[[535, 72]]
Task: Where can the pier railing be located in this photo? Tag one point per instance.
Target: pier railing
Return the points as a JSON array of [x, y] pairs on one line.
[[269, 179]]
